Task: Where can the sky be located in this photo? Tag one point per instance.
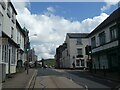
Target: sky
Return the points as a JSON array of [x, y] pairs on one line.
[[52, 20]]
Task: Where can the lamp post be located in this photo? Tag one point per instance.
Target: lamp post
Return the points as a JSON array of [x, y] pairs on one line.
[[89, 53], [27, 52]]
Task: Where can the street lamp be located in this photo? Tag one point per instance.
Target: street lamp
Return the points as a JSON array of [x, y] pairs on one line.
[[27, 51]]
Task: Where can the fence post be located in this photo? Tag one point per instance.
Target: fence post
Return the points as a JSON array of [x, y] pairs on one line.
[[104, 70], [95, 68]]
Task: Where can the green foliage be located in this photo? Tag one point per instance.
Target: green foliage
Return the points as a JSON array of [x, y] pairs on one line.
[[50, 62]]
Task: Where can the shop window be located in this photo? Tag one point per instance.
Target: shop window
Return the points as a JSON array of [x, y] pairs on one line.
[[5, 53], [13, 55]]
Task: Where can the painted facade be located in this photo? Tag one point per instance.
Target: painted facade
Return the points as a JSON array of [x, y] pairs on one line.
[[105, 43], [76, 43], [73, 51], [11, 37]]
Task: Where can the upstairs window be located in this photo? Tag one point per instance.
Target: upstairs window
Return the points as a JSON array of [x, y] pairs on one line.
[[13, 17], [93, 42], [18, 37], [79, 51], [113, 33], [102, 38], [2, 3], [8, 10], [12, 32], [1, 21], [79, 41]]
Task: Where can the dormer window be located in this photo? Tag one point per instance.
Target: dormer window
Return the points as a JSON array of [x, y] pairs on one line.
[[13, 17], [3, 4], [8, 10]]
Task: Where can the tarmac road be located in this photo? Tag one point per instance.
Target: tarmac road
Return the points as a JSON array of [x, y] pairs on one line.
[[49, 78], [54, 78]]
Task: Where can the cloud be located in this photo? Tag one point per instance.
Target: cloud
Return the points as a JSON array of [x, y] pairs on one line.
[[109, 3], [51, 9], [51, 29]]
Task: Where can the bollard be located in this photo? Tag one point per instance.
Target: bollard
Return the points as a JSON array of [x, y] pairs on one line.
[[104, 71], [95, 68]]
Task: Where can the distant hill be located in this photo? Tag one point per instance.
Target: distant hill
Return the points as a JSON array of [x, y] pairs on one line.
[[49, 62]]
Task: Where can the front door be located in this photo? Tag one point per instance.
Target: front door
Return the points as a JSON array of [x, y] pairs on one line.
[[77, 63]]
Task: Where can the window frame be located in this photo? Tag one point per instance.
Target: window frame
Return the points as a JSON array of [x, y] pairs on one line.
[[12, 32], [8, 10], [102, 38], [93, 42], [78, 51], [114, 35], [79, 41]]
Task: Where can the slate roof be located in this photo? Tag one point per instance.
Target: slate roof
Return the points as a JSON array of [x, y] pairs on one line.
[[112, 18], [78, 35]]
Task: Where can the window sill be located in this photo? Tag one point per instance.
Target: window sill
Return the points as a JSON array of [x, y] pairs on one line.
[[105, 43]]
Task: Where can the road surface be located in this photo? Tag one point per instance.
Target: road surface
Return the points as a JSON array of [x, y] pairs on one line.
[[54, 78], [49, 78]]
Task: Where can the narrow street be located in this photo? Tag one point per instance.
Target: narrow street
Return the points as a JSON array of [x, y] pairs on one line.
[[54, 78], [49, 78]]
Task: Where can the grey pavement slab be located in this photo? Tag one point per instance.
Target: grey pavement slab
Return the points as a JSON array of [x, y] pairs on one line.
[[20, 80]]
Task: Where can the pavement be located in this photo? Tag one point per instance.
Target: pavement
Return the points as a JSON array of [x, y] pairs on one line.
[[0, 86], [114, 76], [19, 80]]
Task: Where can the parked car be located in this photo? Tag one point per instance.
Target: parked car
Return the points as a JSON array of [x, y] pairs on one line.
[[31, 64], [45, 66]]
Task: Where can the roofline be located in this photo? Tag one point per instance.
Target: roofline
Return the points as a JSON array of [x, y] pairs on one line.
[[78, 33], [21, 30], [99, 27], [13, 7]]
